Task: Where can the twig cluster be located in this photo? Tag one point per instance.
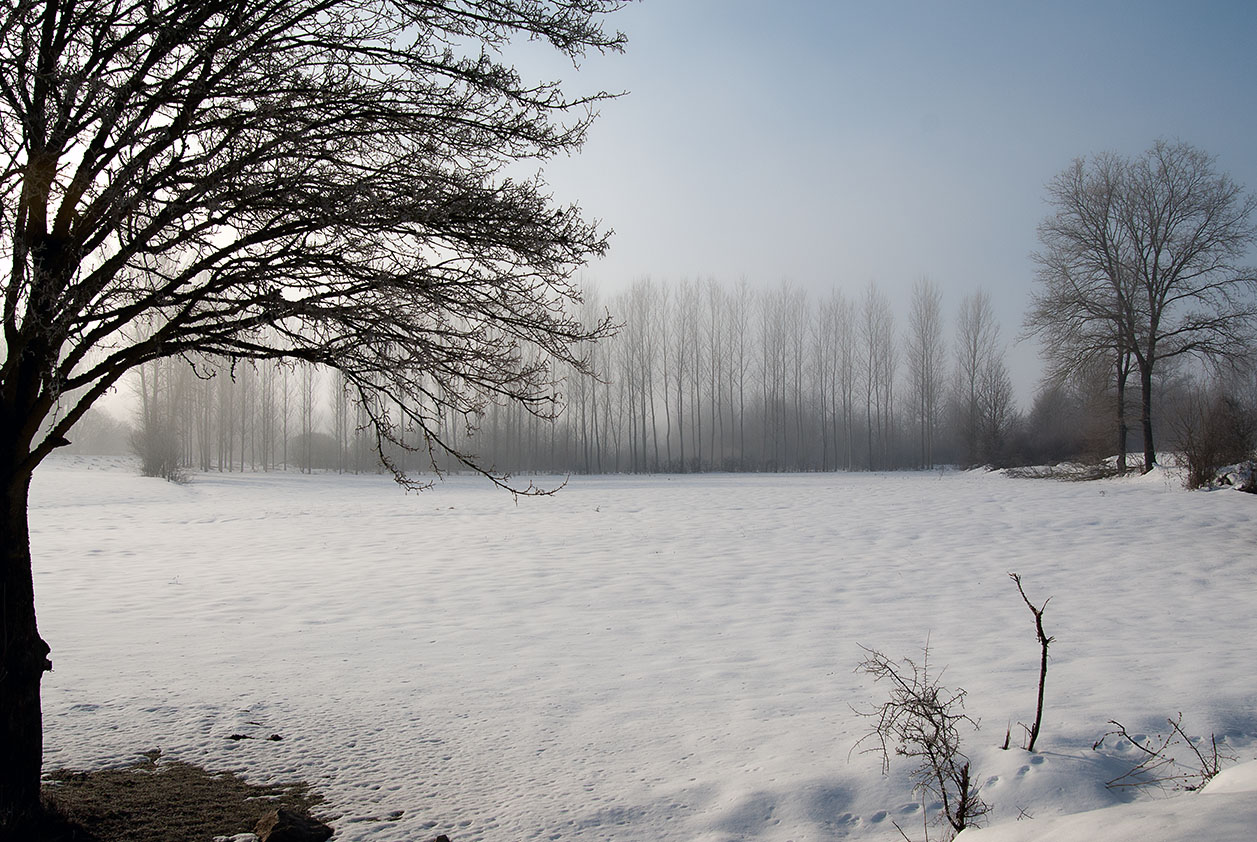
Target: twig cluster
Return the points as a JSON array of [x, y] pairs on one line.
[[1159, 767], [922, 720]]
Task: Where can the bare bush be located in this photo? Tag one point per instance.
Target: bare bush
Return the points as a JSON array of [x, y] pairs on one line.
[[922, 720], [159, 450], [1160, 766], [1213, 430]]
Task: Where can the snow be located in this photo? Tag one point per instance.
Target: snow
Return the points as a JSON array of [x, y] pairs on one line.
[[1226, 809], [662, 658]]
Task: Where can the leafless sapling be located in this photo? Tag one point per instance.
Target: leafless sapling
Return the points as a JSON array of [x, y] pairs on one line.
[[1033, 731]]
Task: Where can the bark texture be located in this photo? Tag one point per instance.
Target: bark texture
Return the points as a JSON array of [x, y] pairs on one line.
[[23, 662]]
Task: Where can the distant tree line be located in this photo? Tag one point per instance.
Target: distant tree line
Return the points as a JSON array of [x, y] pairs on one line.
[[1138, 274], [706, 376], [701, 376], [210, 415]]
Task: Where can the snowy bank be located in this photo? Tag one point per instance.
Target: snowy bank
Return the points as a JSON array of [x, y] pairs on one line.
[[1224, 811]]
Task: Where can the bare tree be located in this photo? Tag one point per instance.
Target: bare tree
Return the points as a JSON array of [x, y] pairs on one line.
[[644, 349], [1188, 226], [308, 410], [683, 337], [690, 316], [1086, 294], [799, 319], [774, 342], [878, 362], [156, 438], [659, 332], [320, 180], [926, 354], [740, 325], [848, 370], [268, 411], [585, 395], [1141, 261], [997, 408], [716, 334], [824, 369], [983, 391], [339, 400]]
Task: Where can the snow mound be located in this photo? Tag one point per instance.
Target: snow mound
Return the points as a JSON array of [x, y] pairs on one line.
[[1241, 477], [1241, 778], [1224, 811]]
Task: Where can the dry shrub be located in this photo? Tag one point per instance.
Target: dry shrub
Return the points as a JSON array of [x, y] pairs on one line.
[[1213, 431], [922, 720]]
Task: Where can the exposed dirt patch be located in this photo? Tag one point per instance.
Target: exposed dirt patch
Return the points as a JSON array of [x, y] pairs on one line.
[[161, 802]]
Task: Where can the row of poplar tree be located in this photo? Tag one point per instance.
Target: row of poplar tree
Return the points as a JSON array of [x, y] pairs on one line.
[[700, 376]]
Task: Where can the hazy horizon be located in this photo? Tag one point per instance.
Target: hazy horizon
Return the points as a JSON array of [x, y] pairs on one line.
[[833, 145]]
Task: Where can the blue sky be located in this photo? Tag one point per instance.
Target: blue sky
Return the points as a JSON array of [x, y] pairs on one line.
[[834, 143]]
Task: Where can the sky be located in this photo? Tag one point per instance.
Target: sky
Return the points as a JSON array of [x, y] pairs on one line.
[[834, 144]]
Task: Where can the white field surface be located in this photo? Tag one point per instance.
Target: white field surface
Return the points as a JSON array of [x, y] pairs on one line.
[[646, 658]]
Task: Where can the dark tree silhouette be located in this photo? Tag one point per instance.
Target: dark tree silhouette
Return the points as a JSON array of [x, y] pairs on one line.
[[330, 181], [1140, 264]]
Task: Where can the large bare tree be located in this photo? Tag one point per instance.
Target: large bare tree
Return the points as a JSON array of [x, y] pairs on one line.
[[1141, 263], [330, 181], [1080, 309]]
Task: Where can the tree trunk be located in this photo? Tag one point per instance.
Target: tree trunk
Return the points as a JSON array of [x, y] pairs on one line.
[[1145, 381], [23, 661], [1122, 428]]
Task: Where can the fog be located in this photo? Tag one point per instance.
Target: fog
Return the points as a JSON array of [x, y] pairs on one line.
[[838, 144]]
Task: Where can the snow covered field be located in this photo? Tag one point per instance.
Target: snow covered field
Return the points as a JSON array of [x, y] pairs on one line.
[[643, 658]]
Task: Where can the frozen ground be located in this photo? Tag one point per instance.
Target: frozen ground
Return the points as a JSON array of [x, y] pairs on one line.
[[642, 658]]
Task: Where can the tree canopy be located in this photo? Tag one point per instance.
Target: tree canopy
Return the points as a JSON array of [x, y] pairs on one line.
[[335, 182], [350, 183]]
